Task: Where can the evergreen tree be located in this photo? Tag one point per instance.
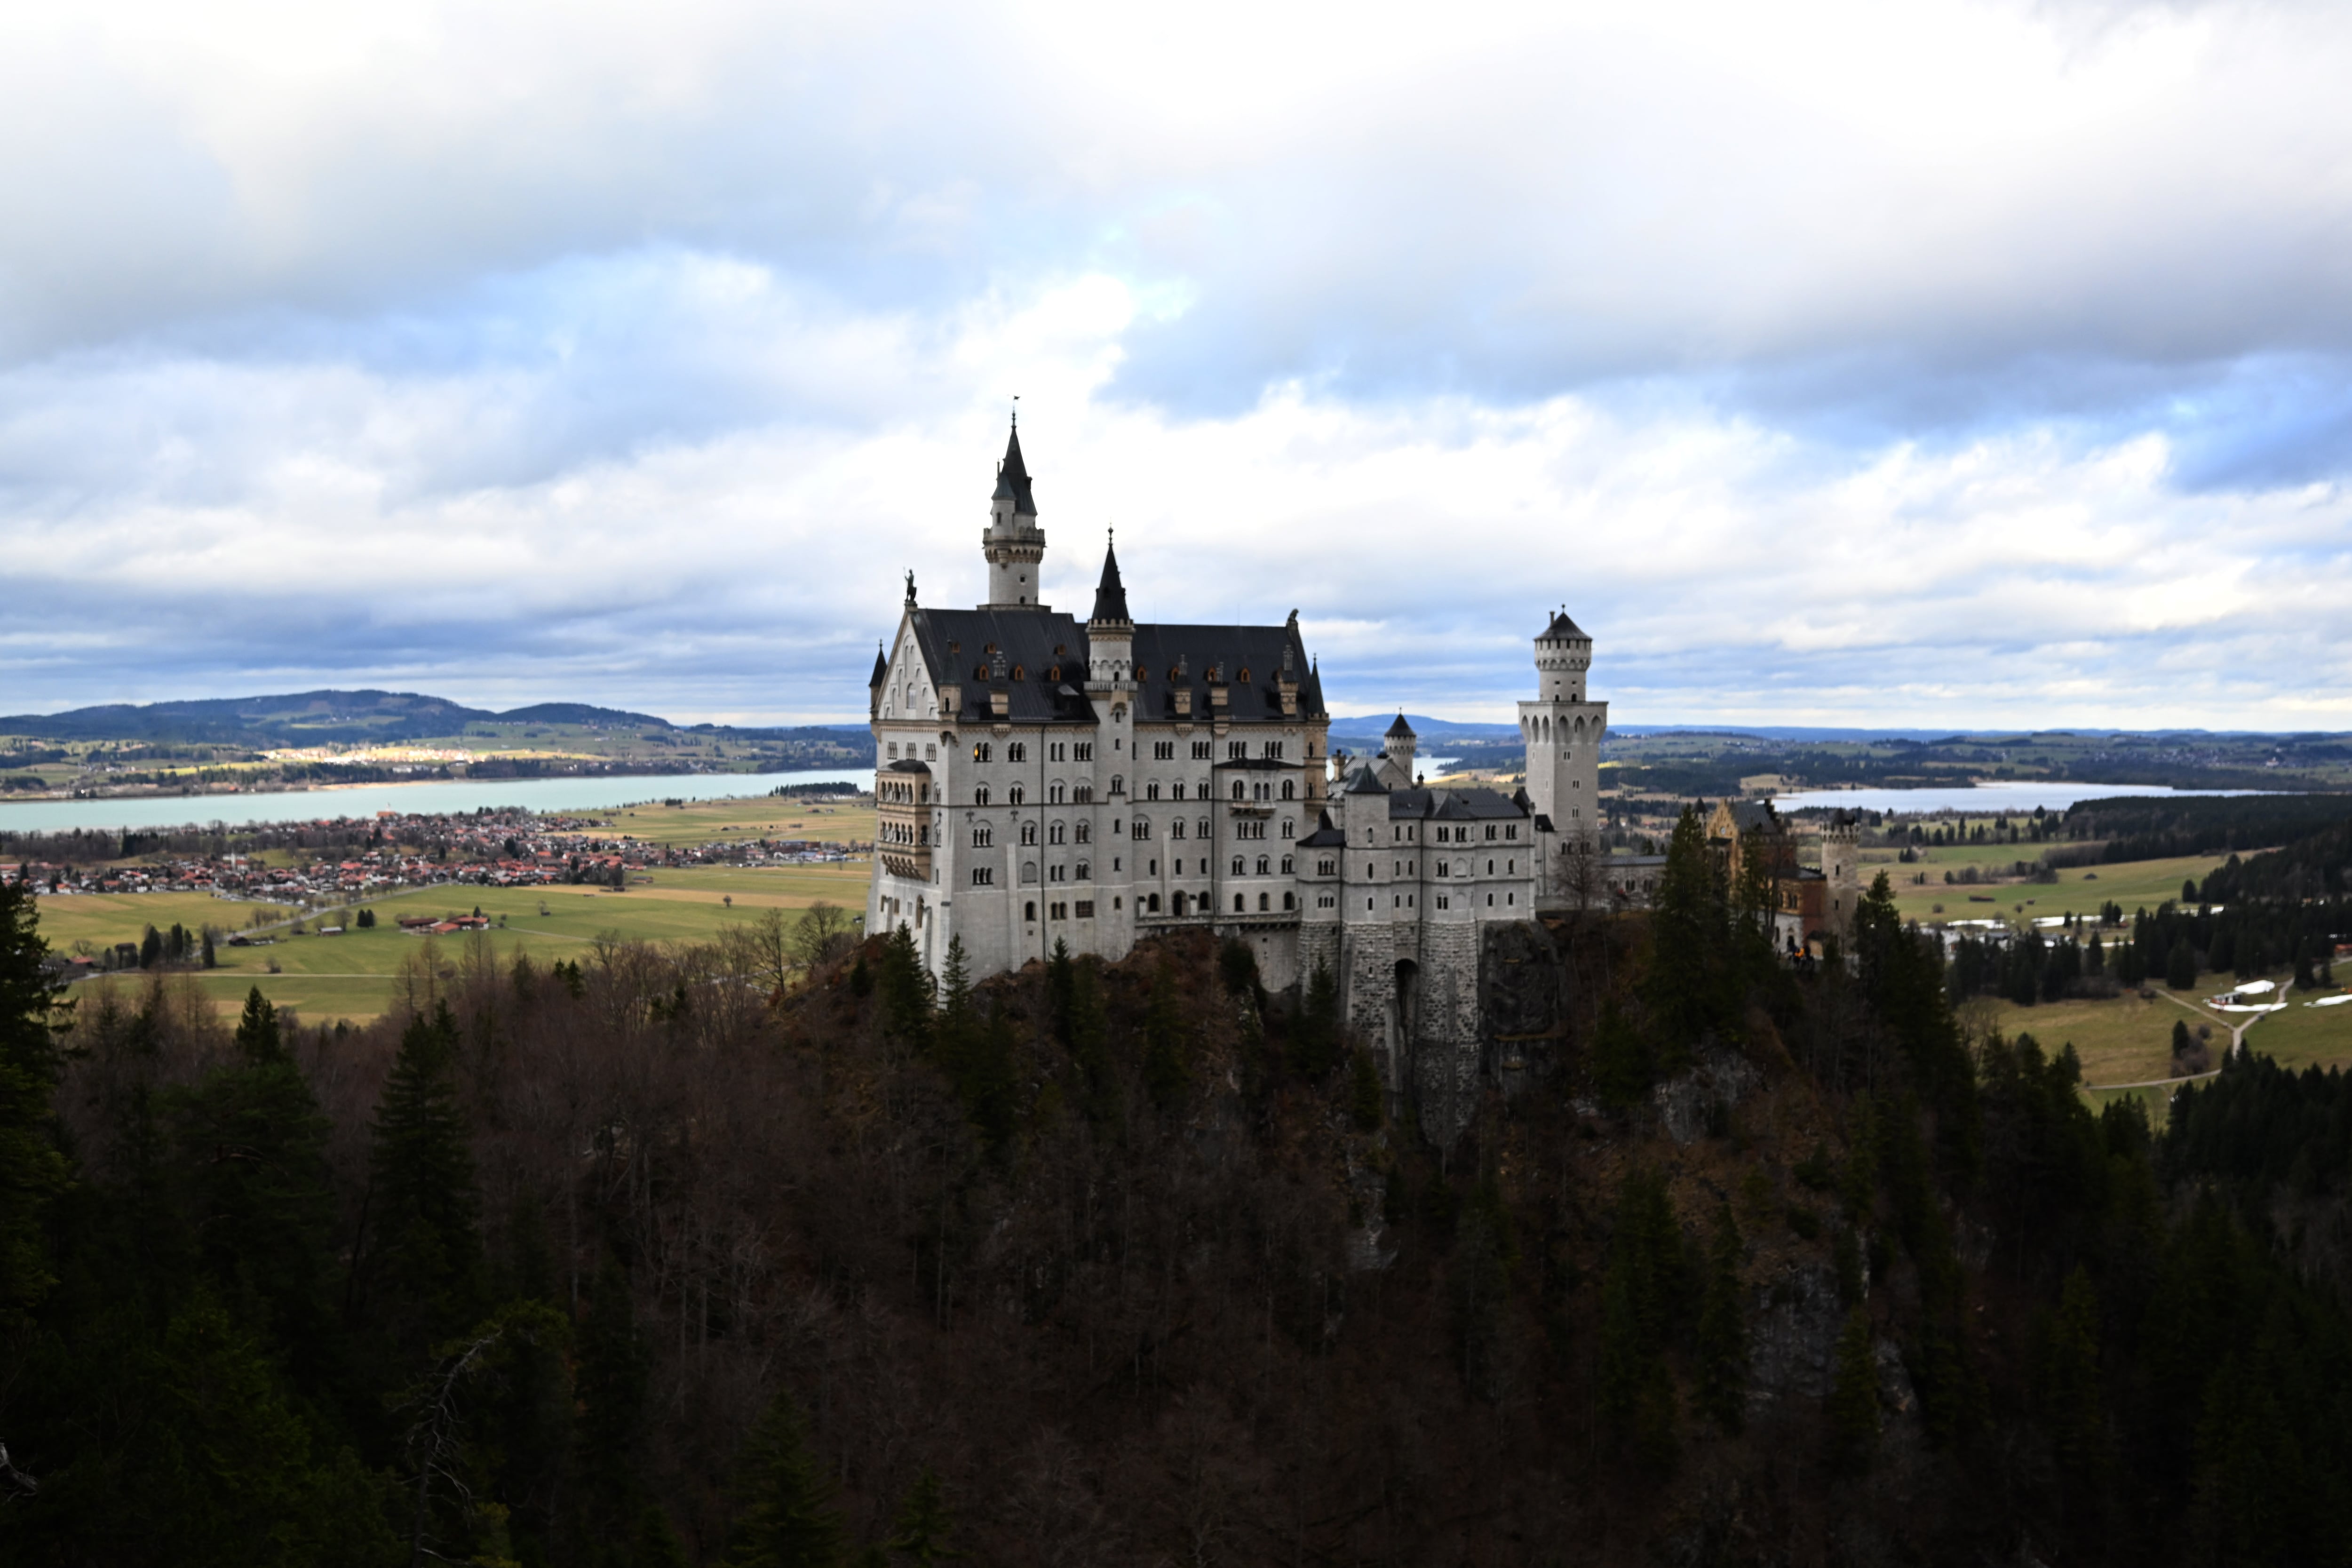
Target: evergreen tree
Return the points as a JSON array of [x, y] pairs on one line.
[[1723, 1330], [906, 990], [1639, 1295], [424, 1265], [1688, 985], [2180, 967], [33, 1171], [657, 1545], [1167, 1065], [262, 1200], [919, 1533], [1853, 1396], [786, 1517], [611, 1367], [1623, 1066], [1316, 1039], [1367, 1102]]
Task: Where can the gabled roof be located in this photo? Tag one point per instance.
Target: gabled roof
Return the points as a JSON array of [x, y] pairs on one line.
[[1560, 629], [1452, 806], [1755, 815], [1400, 728], [1325, 835], [1110, 593], [1363, 781]]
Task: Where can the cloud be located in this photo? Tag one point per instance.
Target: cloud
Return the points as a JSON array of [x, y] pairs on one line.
[[1936, 364]]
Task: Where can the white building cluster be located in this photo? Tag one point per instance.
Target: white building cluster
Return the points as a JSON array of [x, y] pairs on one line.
[[1042, 779]]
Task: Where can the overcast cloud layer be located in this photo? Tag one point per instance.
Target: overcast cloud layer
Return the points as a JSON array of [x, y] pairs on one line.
[[1966, 365]]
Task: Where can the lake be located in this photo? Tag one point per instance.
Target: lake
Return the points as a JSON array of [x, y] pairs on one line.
[[438, 797], [2010, 795]]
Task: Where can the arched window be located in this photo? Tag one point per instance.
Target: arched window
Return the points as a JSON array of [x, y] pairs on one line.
[[1054, 792], [1240, 866], [1029, 909], [1237, 789], [1287, 865], [1151, 790], [980, 796], [1200, 828], [1176, 903], [1028, 871], [1118, 785], [1016, 795], [1265, 865], [1054, 834], [1289, 902], [1240, 907], [1290, 788], [1019, 673], [1028, 833], [1176, 828], [1153, 904], [1265, 902], [1179, 789], [982, 837], [1085, 832]]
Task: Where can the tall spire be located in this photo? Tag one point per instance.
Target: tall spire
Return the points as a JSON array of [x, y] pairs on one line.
[[1110, 595], [1012, 475]]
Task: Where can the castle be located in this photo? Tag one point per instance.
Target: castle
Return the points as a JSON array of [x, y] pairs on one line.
[[1040, 779]]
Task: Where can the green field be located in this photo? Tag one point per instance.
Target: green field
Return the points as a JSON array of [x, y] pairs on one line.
[[101, 919], [2079, 890], [755, 816], [2127, 1040], [351, 976]]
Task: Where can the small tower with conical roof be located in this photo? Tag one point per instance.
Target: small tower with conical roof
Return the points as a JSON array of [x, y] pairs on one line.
[[1397, 750], [1013, 543], [1562, 729], [1110, 630]]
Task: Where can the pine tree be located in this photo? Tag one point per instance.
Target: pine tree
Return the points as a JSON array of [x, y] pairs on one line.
[[919, 1533], [2180, 967], [255, 1141], [1723, 1330], [1638, 1297], [786, 1518], [1167, 1067], [1853, 1396], [1689, 983], [657, 1545], [906, 990], [424, 1267], [33, 1171], [1623, 1064], [1316, 1039], [612, 1365], [1367, 1102]]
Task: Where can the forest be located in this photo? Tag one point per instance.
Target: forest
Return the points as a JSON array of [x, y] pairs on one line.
[[627, 1262]]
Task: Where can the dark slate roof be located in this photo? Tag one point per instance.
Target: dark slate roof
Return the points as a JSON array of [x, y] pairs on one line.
[[1310, 691], [955, 644], [881, 668], [1012, 478], [1400, 728], [1110, 593], [1753, 815], [1363, 781], [1452, 806], [1161, 650], [1562, 627], [1325, 835]]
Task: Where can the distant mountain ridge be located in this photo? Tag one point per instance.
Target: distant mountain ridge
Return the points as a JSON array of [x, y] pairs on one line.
[[336, 717]]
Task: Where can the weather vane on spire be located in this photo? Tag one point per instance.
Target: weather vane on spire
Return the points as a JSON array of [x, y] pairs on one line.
[[1016, 411]]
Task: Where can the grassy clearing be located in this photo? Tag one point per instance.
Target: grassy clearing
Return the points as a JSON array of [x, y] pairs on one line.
[[102, 920], [351, 976], [756, 816], [2079, 890]]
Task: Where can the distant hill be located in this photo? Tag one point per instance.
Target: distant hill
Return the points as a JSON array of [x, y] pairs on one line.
[[318, 718], [1374, 726]]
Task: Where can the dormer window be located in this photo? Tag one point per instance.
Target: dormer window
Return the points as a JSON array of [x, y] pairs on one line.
[[1019, 673], [1245, 675]]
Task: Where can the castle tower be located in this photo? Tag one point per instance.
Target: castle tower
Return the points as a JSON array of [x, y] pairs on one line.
[[1398, 746], [1563, 731], [1110, 631], [1842, 869], [1013, 543]]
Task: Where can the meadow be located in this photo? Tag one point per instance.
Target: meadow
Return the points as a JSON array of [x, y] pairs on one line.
[[352, 976], [2079, 890], [755, 816]]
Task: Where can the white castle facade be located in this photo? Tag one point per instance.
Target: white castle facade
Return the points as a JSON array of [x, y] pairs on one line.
[[1040, 779]]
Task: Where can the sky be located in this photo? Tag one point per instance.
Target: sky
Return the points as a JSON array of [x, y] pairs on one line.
[[1932, 365]]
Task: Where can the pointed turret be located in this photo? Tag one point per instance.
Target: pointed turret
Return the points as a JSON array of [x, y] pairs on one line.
[[881, 668], [1400, 730], [1012, 543], [1110, 593]]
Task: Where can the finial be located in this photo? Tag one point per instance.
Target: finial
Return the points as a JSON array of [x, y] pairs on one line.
[[1016, 411], [910, 585]]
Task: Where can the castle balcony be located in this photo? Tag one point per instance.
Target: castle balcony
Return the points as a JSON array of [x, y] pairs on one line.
[[913, 864]]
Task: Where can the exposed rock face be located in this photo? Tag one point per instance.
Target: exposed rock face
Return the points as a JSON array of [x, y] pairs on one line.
[[1522, 1011], [1687, 1101], [1793, 1337]]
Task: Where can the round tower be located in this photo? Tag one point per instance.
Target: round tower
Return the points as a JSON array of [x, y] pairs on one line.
[[1563, 656], [1563, 729], [1012, 543]]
